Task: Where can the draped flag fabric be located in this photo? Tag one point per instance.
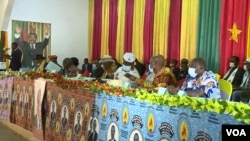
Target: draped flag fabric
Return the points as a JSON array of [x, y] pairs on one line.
[[233, 31], [176, 29]]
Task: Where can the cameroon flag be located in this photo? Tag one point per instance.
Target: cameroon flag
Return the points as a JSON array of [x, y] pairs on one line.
[[176, 29]]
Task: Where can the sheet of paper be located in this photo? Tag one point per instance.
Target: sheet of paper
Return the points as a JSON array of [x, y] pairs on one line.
[[51, 66]]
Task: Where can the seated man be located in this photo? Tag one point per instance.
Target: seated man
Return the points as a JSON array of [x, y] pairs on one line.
[[243, 92], [97, 70], [174, 68], [200, 83], [39, 63], [235, 74], [163, 76], [183, 73], [127, 69], [69, 69], [109, 67]]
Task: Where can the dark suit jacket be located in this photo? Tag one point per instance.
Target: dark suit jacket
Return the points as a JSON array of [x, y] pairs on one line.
[[238, 77], [175, 72], [93, 136], [78, 128], [28, 53], [89, 67], [140, 68], [64, 121], [16, 56]]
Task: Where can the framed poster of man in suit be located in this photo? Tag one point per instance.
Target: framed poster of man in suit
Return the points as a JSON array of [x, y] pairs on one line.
[[64, 116], [52, 114], [78, 122], [32, 38], [113, 132]]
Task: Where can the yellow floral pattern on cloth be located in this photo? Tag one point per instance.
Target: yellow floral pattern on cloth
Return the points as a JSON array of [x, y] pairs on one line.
[[111, 69], [163, 78]]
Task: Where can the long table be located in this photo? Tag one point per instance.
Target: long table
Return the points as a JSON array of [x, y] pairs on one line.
[[49, 112]]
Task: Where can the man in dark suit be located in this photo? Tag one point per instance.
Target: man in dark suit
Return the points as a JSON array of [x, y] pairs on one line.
[[136, 137], [234, 74], [140, 67], [174, 68], [86, 66], [97, 70], [64, 118], [30, 48], [94, 135], [183, 73], [15, 57], [112, 133], [78, 125]]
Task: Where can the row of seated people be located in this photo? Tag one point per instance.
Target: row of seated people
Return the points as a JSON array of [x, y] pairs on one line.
[[239, 78], [106, 68], [201, 82], [179, 72]]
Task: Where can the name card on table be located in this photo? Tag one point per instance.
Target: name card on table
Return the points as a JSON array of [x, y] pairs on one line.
[[126, 85], [162, 91]]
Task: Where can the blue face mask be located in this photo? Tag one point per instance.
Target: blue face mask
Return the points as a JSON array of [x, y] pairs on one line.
[[150, 69], [126, 68], [191, 72], [94, 67]]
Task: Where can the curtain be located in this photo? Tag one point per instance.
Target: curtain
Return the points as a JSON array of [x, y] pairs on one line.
[[208, 33], [97, 28], [105, 28], [160, 34], [138, 24], [174, 30], [148, 30], [233, 31], [189, 19], [113, 18]]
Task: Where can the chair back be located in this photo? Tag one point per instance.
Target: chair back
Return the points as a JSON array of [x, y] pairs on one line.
[[217, 76], [226, 88]]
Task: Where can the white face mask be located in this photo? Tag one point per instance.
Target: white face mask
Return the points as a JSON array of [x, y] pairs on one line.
[[191, 72], [126, 68], [231, 65], [245, 68], [150, 69]]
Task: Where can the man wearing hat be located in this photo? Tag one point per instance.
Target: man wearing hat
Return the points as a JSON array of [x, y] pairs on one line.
[[109, 66], [127, 70], [39, 63], [242, 94]]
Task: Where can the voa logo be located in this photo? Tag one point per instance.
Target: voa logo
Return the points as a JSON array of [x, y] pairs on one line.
[[236, 132]]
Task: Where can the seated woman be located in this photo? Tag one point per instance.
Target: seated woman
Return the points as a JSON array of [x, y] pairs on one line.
[[201, 83]]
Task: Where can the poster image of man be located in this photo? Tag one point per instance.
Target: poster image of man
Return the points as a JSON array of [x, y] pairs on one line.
[[38, 107], [112, 132], [78, 122], [1, 98], [136, 135], [32, 38], [52, 114], [64, 116], [93, 135], [6, 96]]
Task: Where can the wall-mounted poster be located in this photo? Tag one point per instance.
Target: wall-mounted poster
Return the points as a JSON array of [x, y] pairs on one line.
[[32, 38]]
